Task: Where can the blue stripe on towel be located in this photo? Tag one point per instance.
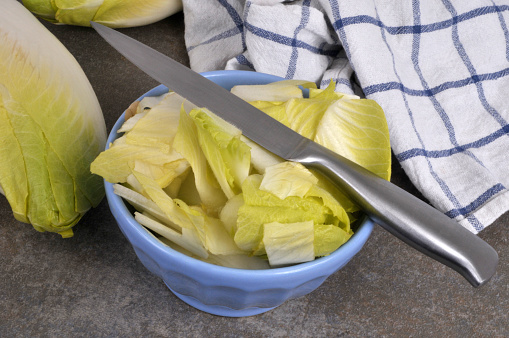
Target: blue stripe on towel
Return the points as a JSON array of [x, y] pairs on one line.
[[340, 30], [466, 60], [234, 15], [242, 60], [292, 65], [504, 29], [415, 152], [383, 87], [343, 81], [483, 198], [438, 107], [287, 41], [239, 27], [224, 35], [340, 23]]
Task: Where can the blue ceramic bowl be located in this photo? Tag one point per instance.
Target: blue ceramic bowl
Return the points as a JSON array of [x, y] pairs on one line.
[[219, 290]]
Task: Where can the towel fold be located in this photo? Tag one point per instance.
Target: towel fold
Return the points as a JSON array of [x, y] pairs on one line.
[[438, 68]]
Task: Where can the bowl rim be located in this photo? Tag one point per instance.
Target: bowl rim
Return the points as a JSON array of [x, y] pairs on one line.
[[119, 208]]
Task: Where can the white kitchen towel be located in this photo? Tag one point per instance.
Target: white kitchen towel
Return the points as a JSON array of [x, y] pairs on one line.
[[438, 68]]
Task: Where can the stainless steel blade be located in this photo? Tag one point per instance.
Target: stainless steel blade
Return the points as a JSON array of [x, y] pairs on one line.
[[405, 216], [204, 93]]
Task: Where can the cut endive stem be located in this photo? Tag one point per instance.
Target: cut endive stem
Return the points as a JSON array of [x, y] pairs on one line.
[[405, 216]]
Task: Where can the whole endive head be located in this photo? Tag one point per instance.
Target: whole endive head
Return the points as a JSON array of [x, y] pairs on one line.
[[51, 126], [112, 13]]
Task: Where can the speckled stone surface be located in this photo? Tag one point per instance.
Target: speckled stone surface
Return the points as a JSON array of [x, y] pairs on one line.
[[93, 285]]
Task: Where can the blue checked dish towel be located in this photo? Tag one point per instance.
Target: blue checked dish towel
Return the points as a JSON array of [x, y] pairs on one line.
[[438, 68]]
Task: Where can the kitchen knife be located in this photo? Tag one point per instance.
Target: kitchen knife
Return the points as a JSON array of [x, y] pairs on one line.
[[405, 216]]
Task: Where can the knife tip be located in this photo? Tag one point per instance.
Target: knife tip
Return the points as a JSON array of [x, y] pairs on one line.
[[96, 25]]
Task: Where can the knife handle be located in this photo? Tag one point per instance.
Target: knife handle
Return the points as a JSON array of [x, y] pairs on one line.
[[405, 216]]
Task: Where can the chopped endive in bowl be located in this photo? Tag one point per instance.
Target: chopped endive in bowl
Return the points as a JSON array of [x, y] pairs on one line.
[[196, 185]]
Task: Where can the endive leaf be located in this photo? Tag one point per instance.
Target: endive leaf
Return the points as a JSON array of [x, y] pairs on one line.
[[357, 130], [115, 164], [77, 12], [289, 243], [42, 8], [51, 126], [228, 157], [186, 143], [157, 128], [131, 13], [112, 13], [288, 179]]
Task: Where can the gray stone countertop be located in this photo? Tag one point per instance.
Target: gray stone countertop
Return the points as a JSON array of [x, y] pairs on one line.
[[93, 284]]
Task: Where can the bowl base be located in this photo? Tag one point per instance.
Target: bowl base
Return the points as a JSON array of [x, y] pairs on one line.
[[219, 310]]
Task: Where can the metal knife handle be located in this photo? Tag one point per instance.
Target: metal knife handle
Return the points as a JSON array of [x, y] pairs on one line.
[[404, 215]]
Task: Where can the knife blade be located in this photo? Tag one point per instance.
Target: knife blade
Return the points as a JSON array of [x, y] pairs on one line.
[[407, 217]]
